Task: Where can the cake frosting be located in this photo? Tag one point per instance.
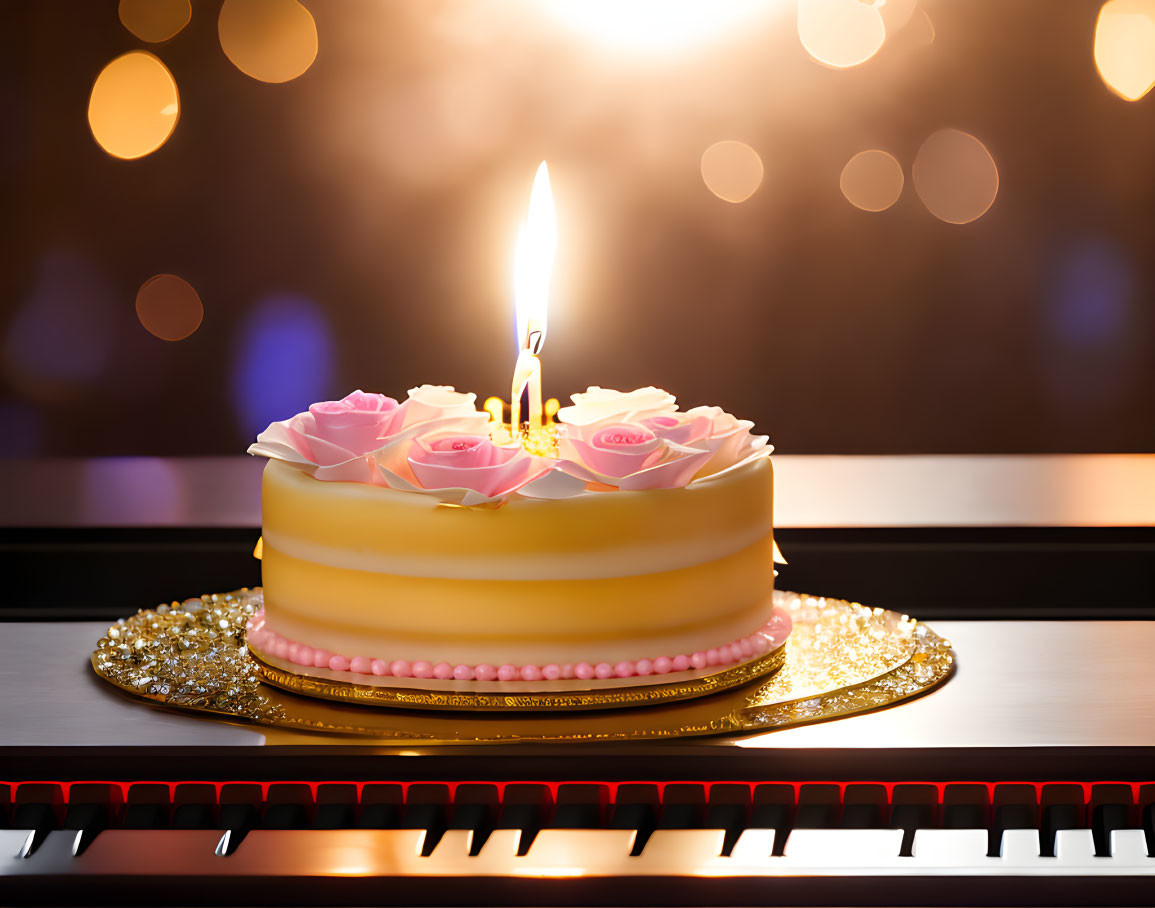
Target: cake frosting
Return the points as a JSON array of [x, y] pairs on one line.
[[414, 539]]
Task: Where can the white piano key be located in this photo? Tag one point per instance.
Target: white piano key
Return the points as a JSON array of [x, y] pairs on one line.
[[844, 848], [454, 845], [1019, 848], [949, 847], [1076, 848], [754, 846], [577, 852], [14, 843], [673, 850], [501, 843], [1129, 849]]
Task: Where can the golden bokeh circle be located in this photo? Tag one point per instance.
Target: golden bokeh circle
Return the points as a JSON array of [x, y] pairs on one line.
[[268, 40], [840, 33], [732, 170], [168, 307], [155, 20], [1125, 47], [134, 105], [872, 180], [955, 176]]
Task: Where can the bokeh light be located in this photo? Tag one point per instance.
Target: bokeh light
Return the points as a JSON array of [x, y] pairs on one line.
[[840, 33], [955, 176], [283, 362], [169, 307], [872, 180], [155, 20], [134, 105], [269, 40], [732, 170], [895, 13], [655, 24], [1125, 47], [60, 339], [1091, 319]]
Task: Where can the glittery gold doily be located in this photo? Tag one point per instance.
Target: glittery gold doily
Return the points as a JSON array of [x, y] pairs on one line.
[[842, 658]]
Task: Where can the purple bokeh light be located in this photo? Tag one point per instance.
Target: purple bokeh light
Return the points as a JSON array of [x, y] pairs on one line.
[[283, 361]]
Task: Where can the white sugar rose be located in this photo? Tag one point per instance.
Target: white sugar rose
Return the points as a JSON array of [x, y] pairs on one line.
[[597, 405]]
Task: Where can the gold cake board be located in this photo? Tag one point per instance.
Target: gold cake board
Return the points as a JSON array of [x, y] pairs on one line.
[[842, 658]]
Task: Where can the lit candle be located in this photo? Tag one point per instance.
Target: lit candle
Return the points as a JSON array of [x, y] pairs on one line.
[[533, 266]]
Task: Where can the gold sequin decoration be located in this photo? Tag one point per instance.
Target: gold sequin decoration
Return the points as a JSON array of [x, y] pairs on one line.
[[842, 658]]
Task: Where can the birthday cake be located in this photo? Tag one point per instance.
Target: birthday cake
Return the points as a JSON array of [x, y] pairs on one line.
[[425, 543]]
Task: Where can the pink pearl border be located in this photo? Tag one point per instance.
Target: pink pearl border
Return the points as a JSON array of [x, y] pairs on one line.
[[768, 637]]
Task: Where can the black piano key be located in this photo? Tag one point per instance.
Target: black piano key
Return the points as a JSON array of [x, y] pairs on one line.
[[1146, 814], [683, 806], [1063, 807], [819, 807], [37, 805], [287, 806], [1012, 807], [92, 807], [5, 803], [427, 807], [475, 806], [728, 808], [240, 807], [147, 806], [636, 806], [864, 806], [381, 805], [773, 808], [336, 806], [913, 806], [965, 806], [194, 806], [1111, 807], [580, 806], [525, 806]]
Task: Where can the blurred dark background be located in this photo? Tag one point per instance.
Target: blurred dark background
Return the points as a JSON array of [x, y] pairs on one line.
[[353, 226]]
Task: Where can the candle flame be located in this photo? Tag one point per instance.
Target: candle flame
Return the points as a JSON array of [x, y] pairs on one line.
[[533, 264]]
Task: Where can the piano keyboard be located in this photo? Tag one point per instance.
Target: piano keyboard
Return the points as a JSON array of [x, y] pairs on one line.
[[529, 841]]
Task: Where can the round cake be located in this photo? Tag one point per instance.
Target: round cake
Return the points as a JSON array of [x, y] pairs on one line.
[[407, 541]]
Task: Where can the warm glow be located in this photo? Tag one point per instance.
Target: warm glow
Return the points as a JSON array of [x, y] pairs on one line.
[[169, 307], [840, 33], [533, 264], [655, 24], [955, 176], [1125, 47], [872, 180], [155, 20], [269, 40], [134, 105], [732, 170], [895, 13]]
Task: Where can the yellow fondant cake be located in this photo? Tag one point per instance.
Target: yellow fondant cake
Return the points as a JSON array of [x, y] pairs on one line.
[[437, 556]]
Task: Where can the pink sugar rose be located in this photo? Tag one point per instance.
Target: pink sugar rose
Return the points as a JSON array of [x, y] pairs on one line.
[[346, 440], [640, 440], [353, 425], [630, 457], [467, 469]]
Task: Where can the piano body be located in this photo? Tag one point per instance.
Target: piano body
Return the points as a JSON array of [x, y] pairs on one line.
[[1029, 778]]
